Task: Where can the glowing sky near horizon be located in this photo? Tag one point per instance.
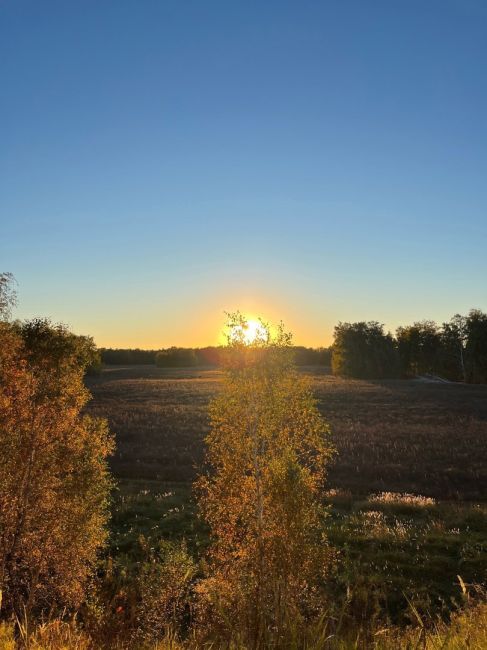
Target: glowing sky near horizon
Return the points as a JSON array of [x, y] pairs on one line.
[[162, 162]]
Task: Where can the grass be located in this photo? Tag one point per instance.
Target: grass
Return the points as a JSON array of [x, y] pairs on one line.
[[407, 490], [156, 510], [406, 436], [159, 416], [396, 435], [466, 630]]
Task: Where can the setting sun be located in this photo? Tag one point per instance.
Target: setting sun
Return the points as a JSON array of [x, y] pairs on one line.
[[250, 331]]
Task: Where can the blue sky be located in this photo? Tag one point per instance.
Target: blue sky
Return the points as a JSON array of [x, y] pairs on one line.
[[161, 162]]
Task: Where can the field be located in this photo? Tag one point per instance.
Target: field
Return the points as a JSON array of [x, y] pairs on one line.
[[393, 439]]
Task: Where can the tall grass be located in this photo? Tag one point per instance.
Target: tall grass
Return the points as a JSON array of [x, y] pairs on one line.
[[466, 630]]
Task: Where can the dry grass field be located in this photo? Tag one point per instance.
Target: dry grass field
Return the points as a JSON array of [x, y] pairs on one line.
[[428, 440], [393, 435]]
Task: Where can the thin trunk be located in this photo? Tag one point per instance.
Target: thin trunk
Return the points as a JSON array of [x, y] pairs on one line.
[[462, 363], [25, 489], [259, 512]]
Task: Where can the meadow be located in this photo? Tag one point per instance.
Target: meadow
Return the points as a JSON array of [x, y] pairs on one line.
[[407, 489]]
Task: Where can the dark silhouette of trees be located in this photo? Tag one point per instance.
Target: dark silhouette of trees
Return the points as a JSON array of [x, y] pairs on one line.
[[129, 357], [419, 347], [311, 356], [364, 351], [454, 336], [177, 358], [456, 351], [476, 346], [207, 356]]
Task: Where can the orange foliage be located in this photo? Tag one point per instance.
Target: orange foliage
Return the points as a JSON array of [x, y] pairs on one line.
[[54, 481], [267, 449]]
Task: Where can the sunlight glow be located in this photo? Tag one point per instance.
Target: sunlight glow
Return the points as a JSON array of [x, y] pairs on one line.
[[252, 332]]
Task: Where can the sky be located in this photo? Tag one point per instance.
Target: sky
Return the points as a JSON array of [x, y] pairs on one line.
[[162, 162]]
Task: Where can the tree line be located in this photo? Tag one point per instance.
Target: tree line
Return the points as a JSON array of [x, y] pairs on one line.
[[456, 350], [178, 357]]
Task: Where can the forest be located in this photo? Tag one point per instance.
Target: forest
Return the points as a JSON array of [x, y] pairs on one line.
[[175, 357]]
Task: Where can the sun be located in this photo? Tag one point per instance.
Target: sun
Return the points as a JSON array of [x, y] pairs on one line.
[[252, 331]]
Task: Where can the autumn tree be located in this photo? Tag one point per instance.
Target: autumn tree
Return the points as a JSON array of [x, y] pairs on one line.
[[54, 481], [267, 452]]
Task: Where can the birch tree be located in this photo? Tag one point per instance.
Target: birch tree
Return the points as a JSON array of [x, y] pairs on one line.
[[267, 453]]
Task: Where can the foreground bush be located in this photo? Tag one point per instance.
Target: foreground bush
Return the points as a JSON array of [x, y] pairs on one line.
[[54, 481]]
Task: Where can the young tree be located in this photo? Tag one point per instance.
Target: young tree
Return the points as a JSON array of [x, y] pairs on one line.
[[267, 450], [8, 297], [54, 481]]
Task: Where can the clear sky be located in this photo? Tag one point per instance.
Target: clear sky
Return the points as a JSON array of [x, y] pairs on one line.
[[164, 161]]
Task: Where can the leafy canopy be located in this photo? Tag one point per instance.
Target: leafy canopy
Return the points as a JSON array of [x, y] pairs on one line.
[[267, 453]]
